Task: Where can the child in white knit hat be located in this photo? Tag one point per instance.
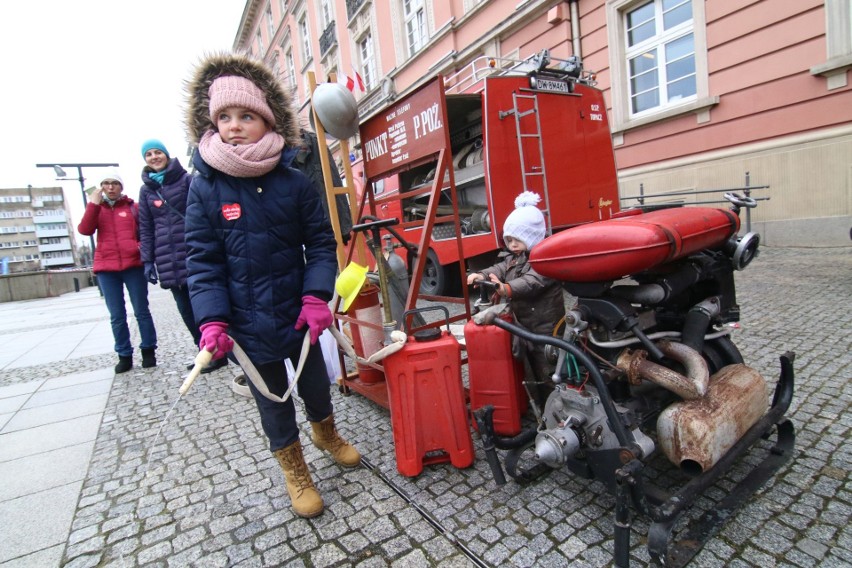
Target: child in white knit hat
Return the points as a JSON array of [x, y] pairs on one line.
[[536, 301]]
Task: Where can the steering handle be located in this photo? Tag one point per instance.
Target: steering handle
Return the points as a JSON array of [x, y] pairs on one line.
[[740, 201]]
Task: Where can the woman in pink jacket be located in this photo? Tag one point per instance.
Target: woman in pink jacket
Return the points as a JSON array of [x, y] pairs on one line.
[[118, 264]]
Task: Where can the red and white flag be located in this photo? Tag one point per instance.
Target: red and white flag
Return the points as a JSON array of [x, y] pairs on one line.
[[351, 83], [360, 81]]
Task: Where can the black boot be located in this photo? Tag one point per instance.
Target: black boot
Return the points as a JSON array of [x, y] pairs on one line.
[[215, 365], [124, 364], [149, 359]]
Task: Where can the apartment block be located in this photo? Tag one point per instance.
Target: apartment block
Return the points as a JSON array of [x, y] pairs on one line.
[[35, 230]]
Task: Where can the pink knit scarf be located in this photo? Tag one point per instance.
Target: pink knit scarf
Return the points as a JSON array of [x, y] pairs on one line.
[[245, 160]]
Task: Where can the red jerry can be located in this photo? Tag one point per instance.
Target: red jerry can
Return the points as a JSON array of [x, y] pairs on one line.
[[427, 402], [495, 377]]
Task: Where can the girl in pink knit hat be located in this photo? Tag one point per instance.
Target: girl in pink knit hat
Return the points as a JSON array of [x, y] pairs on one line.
[[261, 254]]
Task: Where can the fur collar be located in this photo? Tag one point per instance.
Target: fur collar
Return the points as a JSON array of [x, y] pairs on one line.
[[212, 66]]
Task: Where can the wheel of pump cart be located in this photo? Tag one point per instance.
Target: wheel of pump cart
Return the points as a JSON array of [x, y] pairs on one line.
[[437, 279], [720, 352]]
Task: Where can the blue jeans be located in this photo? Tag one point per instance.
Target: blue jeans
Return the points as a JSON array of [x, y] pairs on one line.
[[112, 285], [279, 418], [184, 306]]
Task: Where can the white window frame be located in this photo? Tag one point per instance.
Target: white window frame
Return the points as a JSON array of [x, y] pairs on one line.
[[620, 117], [367, 55], [655, 49], [326, 11], [290, 63], [415, 25], [838, 40], [260, 49], [270, 22], [305, 39]]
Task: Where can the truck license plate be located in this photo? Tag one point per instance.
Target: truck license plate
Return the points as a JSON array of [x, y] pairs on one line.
[[550, 85]]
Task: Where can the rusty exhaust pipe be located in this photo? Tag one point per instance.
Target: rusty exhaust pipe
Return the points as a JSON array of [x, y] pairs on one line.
[[695, 434], [690, 387]]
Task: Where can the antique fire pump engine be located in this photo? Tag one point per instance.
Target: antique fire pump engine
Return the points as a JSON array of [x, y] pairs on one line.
[[646, 363]]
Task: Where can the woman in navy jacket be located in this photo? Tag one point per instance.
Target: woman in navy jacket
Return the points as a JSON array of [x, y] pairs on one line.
[[162, 210]]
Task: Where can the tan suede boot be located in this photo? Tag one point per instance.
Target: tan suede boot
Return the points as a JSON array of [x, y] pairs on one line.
[[304, 496], [325, 437]]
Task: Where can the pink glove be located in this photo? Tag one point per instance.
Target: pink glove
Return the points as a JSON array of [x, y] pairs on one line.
[[214, 339], [316, 314]]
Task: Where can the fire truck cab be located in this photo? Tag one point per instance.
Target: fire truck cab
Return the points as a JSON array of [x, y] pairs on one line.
[[476, 140]]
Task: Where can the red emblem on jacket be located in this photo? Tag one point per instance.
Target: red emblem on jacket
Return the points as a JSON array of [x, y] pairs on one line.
[[231, 211], [158, 203]]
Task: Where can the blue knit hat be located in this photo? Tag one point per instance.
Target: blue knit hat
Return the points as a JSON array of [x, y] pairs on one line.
[[152, 144]]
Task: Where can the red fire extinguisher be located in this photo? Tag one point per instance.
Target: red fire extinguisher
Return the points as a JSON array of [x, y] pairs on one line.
[[495, 376], [427, 402]]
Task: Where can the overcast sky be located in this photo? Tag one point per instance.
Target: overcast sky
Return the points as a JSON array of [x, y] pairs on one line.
[[90, 80]]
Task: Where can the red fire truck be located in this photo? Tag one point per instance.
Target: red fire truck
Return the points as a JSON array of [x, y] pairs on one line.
[[476, 140]]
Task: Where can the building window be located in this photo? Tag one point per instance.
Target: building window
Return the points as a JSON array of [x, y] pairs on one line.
[[658, 55], [270, 23], [838, 15], [283, 5], [838, 37], [305, 37], [291, 68], [415, 25], [260, 50], [368, 61], [326, 13]]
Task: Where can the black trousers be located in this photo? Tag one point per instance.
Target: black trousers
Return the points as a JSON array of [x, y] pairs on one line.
[[279, 418]]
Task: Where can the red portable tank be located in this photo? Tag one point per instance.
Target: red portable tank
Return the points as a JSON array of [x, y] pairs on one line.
[[427, 401], [495, 377], [612, 249]]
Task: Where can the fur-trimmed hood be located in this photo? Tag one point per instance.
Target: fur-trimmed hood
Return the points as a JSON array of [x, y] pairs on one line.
[[216, 65]]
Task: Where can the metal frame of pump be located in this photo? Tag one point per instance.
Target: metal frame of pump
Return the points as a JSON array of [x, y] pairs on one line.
[[428, 141], [411, 133]]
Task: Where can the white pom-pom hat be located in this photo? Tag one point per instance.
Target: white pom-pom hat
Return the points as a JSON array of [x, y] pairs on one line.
[[526, 222]]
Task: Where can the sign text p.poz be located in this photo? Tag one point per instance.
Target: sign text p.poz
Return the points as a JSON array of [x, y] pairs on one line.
[[405, 132]]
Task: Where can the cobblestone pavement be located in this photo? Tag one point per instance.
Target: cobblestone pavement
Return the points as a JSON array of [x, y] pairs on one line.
[[208, 493]]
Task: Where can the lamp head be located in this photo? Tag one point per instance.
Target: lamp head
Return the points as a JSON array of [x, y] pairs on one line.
[[59, 171]]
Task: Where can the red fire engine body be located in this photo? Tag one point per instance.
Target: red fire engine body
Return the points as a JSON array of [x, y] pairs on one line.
[[529, 127]]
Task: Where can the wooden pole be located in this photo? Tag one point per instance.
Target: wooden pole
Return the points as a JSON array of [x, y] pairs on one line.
[[331, 191]]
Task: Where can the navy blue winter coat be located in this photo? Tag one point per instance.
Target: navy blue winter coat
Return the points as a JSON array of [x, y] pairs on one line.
[[161, 223], [256, 246]]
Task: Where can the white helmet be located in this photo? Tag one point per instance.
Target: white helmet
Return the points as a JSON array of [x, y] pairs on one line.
[[336, 109]]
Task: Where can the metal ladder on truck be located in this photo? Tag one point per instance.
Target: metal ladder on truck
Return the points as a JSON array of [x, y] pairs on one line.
[[533, 171]]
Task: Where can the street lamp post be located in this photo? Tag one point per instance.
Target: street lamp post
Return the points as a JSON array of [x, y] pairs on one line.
[[60, 173]]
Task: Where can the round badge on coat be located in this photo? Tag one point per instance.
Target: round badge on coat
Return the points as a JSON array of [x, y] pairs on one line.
[[231, 211]]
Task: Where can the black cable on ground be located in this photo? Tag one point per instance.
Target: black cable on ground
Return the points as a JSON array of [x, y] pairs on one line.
[[425, 514]]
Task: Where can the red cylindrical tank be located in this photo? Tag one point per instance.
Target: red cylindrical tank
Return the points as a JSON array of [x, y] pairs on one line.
[[366, 340], [612, 249], [427, 403], [495, 377]]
